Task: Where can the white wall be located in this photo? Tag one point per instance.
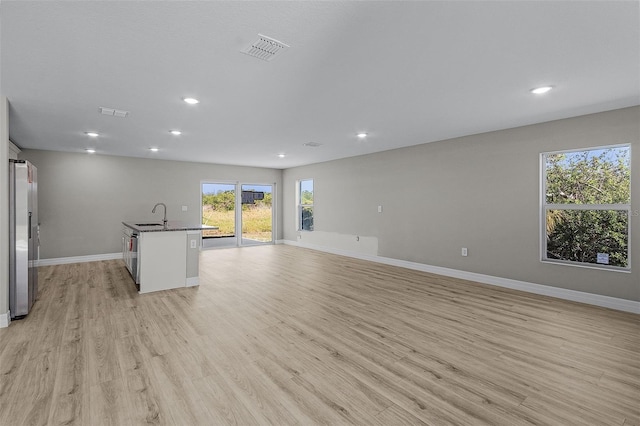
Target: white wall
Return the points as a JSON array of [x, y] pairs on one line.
[[83, 198], [479, 192], [4, 212]]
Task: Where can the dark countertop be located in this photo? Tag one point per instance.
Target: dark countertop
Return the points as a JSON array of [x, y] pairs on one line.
[[143, 226]]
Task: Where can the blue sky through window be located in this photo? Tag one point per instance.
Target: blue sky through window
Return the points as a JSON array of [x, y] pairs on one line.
[[611, 154]]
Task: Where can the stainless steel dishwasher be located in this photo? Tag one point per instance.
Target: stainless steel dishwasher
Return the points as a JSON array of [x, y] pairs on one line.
[[130, 253]]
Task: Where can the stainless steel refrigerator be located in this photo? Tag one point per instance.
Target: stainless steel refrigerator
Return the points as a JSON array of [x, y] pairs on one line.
[[24, 241]]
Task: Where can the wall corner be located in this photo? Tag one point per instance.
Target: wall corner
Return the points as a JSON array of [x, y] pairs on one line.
[[4, 209]]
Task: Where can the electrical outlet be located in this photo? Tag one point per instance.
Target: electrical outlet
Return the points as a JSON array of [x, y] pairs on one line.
[[464, 251], [184, 208], [194, 243]]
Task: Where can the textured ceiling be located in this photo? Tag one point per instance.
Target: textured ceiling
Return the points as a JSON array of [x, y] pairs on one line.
[[405, 72]]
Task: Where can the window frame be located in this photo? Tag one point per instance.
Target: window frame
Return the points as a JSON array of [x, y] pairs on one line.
[[300, 206], [544, 207]]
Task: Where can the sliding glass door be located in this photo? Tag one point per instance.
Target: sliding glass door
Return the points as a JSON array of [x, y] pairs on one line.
[[219, 215], [237, 214], [257, 214]]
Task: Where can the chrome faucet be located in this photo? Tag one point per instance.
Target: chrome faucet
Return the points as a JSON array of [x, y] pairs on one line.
[[164, 221]]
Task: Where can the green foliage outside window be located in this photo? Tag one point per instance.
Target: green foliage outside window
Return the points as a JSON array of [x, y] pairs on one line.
[[306, 197], [595, 179], [218, 209], [226, 201], [305, 206]]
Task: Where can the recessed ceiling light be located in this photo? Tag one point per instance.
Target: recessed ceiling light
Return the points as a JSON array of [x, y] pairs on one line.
[[92, 134], [541, 90], [191, 101], [362, 135], [154, 149], [175, 132], [281, 155], [90, 150]]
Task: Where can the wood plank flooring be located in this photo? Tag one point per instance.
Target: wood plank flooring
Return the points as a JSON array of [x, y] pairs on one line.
[[277, 335]]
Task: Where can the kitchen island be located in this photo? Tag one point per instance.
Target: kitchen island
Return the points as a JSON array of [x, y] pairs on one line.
[[162, 256]]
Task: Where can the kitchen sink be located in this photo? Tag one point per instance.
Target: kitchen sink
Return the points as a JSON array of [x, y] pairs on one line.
[[148, 224]]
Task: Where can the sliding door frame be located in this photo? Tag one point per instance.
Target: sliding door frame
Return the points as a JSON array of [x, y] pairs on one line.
[[238, 211]]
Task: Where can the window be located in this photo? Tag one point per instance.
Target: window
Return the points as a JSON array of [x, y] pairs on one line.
[[586, 204], [235, 214], [305, 205]]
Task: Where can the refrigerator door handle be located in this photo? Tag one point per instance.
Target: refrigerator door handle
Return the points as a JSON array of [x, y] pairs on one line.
[[30, 214]]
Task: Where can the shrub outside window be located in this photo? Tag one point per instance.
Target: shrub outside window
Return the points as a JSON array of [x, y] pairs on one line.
[[586, 204], [305, 205]]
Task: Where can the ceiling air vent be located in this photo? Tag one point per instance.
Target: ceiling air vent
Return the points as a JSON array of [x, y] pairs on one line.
[[114, 112], [265, 48], [312, 144]]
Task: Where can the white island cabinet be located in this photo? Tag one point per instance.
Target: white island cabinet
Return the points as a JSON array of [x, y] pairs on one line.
[[167, 256]]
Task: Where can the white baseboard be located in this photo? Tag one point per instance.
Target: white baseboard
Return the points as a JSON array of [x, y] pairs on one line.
[[79, 259], [560, 293], [5, 319]]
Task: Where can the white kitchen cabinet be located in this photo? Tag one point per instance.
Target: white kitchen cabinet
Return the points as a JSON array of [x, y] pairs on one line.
[[162, 259]]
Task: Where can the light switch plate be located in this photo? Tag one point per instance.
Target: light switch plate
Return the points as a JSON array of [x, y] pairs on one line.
[[184, 208]]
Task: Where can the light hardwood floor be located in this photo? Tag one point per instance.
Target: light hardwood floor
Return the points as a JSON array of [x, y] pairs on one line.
[[284, 336]]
